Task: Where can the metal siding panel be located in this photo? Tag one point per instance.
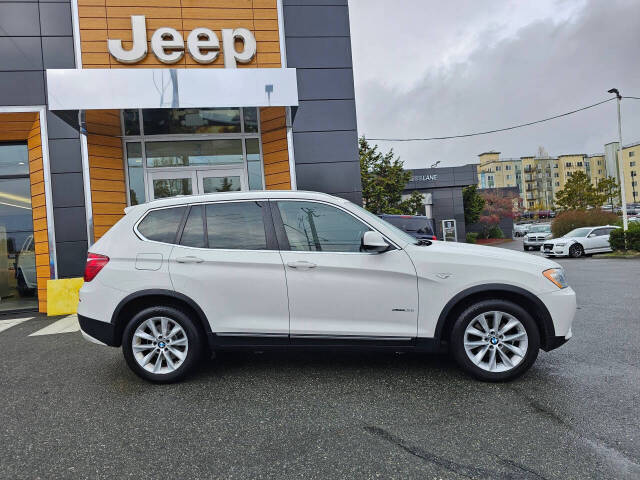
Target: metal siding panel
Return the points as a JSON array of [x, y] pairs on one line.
[[19, 20], [322, 147], [65, 155], [325, 84], [318, 52], [55, 19], [58, 128], [326, 115], [58, 52], [329, 177], [317, 21], [22, 88], [314, 2], [70, 224], [71, 258], [20, 53], [67, 191]]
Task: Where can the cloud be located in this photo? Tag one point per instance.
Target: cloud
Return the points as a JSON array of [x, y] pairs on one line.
[[485, 66]]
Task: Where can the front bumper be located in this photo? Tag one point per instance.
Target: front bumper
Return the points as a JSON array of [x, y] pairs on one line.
[[98, 331], [560, 251], [561, 305]]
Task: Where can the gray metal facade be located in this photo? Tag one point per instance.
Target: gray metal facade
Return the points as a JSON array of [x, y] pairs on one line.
[[34, 36], [325, 137], [445, 186]]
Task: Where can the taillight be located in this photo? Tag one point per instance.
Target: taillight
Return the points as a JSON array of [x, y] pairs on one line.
[[95, 263], [433, 237]]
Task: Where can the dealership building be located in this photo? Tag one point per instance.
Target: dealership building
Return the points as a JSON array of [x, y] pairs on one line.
[[110, 103]]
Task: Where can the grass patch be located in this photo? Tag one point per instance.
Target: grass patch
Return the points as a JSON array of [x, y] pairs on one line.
[[619, 254]]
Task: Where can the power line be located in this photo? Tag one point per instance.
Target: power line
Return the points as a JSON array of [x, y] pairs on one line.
[[493, 131], [634, 98]]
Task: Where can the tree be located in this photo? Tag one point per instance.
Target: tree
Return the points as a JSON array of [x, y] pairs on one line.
[[578, 194], [496, 208], [609, 189], [383, 180], [473, 204]]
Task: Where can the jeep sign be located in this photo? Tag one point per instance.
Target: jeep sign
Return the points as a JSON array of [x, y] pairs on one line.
[[168, 45]]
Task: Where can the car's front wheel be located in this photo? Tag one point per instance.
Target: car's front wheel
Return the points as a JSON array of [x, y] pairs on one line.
[[576, 250], [495, 340], [161, 344]]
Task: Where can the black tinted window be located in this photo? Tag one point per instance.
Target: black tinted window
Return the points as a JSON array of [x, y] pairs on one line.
[[162, 225], [236, 225], [600, 232], [193, 234], [317, 227]]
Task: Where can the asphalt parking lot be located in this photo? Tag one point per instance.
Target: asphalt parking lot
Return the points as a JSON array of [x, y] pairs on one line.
[[71, 409]]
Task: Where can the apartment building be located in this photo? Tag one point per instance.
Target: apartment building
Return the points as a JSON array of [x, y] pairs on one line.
[[539, 178]]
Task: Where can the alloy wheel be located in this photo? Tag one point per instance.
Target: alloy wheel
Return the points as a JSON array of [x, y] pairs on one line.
[[160, 345], [496, 341]]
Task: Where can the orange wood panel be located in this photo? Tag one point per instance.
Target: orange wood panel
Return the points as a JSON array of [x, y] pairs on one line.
[[106, 168], [275, 154]]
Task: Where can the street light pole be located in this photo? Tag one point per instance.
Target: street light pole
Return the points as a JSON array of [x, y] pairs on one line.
[[625, 222]]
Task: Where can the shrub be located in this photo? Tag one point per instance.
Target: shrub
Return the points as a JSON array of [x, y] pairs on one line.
[[472, 237], [567, 221], [495, 232], [617, 238]]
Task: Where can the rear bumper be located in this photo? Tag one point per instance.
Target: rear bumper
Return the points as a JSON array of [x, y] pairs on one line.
[[103, 332]]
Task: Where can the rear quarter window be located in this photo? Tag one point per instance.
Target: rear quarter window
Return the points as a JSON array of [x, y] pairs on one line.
[[162, 225]]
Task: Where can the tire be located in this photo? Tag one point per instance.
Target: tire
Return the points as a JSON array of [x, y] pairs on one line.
[[529, 343], [526, 249], [173, 366], [576, 250]]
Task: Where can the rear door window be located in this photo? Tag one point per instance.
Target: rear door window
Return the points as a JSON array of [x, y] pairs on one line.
[[236, 226], [162, 225], [193, 233]]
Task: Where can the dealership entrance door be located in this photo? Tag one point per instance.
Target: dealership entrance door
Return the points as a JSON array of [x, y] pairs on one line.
[[164, 183]]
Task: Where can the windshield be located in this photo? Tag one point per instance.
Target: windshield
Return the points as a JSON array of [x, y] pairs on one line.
[[410, 224], [405, 237], [540, 228], [578, 232]]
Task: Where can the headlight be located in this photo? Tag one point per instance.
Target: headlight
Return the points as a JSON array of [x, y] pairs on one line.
[[556, 275]]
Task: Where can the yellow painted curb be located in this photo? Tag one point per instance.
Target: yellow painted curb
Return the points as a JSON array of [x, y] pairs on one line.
[[62, 296]]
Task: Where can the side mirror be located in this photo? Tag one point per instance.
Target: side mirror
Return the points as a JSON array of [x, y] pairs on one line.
[[373, 242]]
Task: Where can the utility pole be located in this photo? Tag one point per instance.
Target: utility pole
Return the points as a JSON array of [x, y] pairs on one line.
[[625, 221]]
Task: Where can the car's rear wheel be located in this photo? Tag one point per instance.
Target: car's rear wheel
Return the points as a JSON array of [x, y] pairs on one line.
[[576, 250], [161, 344], [495, 340]]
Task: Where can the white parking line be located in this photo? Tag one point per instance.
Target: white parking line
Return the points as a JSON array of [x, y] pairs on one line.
[[4, 324], [67, 324]]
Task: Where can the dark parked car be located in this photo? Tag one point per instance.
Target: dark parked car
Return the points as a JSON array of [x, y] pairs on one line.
[[417, 226]]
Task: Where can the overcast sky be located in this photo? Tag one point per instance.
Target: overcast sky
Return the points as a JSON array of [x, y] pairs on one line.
[[433, 68]]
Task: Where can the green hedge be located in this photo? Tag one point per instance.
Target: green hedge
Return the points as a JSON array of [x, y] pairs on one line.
[[472, 237], [567, 221], [617, 238]]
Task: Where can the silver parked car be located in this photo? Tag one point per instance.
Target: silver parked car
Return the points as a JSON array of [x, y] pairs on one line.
[[536, 236]]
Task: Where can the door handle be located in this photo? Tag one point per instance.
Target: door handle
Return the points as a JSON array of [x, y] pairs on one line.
[[189, 259], [301, 264]]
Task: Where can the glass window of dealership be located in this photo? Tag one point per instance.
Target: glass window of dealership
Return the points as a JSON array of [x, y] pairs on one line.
[[102, 108]]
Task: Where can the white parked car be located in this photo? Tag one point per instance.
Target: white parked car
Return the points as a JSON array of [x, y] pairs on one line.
[[520, 230], [182, 276], [579, 242], [536, 236]]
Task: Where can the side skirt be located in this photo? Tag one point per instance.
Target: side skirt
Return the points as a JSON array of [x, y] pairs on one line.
[[321, 342]]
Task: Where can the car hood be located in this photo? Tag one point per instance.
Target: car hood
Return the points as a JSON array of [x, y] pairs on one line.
[[492, 256], [562, 240]]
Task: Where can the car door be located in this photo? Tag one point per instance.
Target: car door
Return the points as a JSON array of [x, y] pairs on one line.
[[598, 239], [227, 261], [335, 289]]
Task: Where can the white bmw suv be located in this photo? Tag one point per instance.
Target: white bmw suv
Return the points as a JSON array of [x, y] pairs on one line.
[[180, 277]]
